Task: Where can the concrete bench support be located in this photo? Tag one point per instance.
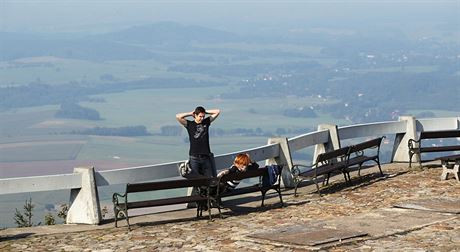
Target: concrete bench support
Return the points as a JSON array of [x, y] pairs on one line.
[[283, 159], [333, 141], [400, 150], [84, 202]]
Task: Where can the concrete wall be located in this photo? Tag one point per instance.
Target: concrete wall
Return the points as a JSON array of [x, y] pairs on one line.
[[83, 184]]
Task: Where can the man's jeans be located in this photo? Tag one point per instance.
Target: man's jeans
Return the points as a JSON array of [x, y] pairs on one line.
[[203, 166]]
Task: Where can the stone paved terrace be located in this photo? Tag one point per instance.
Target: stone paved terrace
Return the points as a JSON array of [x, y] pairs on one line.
[[366, 205]]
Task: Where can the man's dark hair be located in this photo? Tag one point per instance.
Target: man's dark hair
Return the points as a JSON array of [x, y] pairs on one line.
[[199, 109]]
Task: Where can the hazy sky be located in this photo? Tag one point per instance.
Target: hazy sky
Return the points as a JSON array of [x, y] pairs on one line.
[[94, 15]]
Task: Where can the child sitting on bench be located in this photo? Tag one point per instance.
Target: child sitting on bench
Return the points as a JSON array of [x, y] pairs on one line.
[[241, 163]]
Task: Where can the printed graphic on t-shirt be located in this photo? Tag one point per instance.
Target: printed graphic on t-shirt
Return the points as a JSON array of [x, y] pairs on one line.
[[200, 131]]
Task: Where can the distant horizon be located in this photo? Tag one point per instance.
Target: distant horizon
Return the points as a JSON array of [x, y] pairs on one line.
[[105, 16]]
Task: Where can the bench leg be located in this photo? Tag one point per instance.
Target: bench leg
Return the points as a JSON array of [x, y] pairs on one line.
[[199, 209], [115, 211], [127, 220], [281, 198], [410, 159], [220, 212], [380, 168], [295, 188], [346, 175], [263, 198], [317, 186], [326, 181], [209, 208], [411, 154], [219, 206]]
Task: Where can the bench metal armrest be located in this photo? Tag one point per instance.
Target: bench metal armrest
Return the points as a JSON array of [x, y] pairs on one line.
[[116, 198], [358, 153], [296, 169], [411, 144]]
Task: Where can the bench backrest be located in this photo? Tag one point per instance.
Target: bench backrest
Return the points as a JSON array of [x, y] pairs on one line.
[[167, 184], [332, 156], [439, 134], [374, 143], [244, 175]]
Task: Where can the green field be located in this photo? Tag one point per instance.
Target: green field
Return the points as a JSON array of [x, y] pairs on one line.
[[56, 71], [157, 107], [34, 133]]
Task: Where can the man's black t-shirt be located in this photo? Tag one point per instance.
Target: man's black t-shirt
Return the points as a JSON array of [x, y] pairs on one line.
[[199, 137]]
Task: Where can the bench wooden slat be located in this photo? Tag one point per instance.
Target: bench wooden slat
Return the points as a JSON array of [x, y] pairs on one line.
[[168, 184], [360, 160], [239, 191], [165, 201], [439, 134], [440, 148], [331, 155], [373, 143], [244, 175], [324, 169], [358, 157]]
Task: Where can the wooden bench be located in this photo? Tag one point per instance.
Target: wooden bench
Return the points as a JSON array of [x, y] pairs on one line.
[[123, 202], [325, 164], [262, 187], [416, 147], [362, 152], [339, 160]]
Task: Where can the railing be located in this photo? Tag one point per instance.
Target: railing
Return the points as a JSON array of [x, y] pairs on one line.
[[84, 183], [40, 183]]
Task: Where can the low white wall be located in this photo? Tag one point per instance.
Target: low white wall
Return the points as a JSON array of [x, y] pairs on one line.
[[169, 170], [371, 129], [39, 183], [430, 124]]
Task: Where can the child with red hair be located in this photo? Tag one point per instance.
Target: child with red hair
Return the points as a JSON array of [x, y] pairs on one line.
[[241, 163]]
